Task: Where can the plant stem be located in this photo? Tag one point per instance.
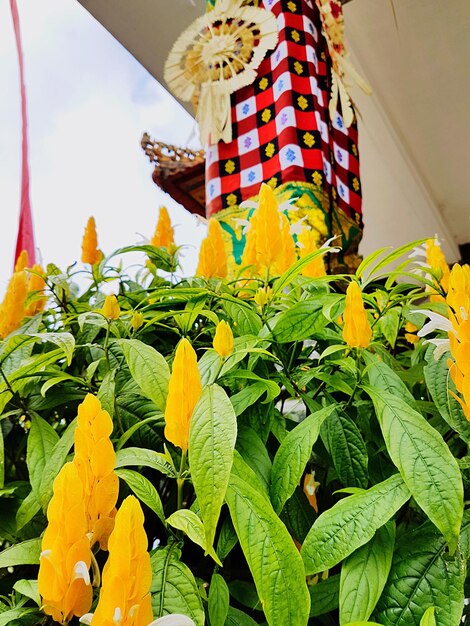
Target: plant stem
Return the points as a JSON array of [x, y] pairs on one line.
[[180, 481]]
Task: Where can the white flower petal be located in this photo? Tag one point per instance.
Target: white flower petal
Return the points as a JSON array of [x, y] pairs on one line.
[[173, 620], [442, 346], [436, 322], [81, 571], [86, 619]]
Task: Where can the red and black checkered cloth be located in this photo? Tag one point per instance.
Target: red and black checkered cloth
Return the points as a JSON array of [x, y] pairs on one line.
[[282, 130]]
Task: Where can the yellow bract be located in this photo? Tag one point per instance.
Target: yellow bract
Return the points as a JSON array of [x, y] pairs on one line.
[[223, 339], [12, 309], [437, 262], [137, 320], [184, 391], [95, 460], [308, 244], [111, 308], [90, 252], [213, 255], [63, 581], [357, 332], [262, 296], [125, 593], [22, 262], [36, 286], [164, 234]]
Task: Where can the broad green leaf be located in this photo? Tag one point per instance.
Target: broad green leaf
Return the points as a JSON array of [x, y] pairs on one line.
[[24, 553], [300, 321], [389, 324], [254, 453], [191, 312], [55, 461], [439, 382], [245, 319], [159, 257], [144, 458], [187, 521], [324, 596], [28, 588], [363, 624], [212, 436], [210, 364], [173, 588], [218, 603], [344, 442], [390, 258], [298, 515], [9, 617], [148, 368], [292, 456], [426, 464], [27, 510], [286, 279], [106, 392], [41, 440], [144, 490], [247, 397], [134, 411], [423, 575], [245, 593], [227, 539], [364, 574], [236, 617], [429, 618], [159, 419], [382, 376], [272, 557], [351, 523], [368, 260], [65, 341]]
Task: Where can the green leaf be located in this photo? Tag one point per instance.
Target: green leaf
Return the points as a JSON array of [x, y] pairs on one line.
[[324, 596], [144, 490], [364, 574], [344, 442], [300, 321], [159, 257], [245, 319], [351, 523], [24, 553], [227, 539], [159, 419], [389, 324], [28, 588], [272, 557], [54, 463], [218, 600], [428, 618], [187, 521], [173, 588], [438, 382], [236, 617], [425, 462], [144, 458], [28, 508], [212, 436], [298, 515], [286, 279], [254, 453], [292, 456], [247, 397], [423, 575], [384, 378], [2, 458], [149, 369], [106, 392], [209, 363], [65, 341], [41, 440], [8, 617]]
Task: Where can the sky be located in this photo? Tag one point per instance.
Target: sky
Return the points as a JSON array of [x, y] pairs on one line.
[[89, 101]]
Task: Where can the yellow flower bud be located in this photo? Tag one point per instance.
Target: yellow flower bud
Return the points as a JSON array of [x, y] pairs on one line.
[[223, 339], [164, 234], [36, 286], [137, 320], [436, 260], [184, 391], [357, 332], [63, 580], [410, 334], [125, 593], [111, 308], [22, 262], [95, 460], [213, 254], [262, 296], [12, 309], [90, 252]]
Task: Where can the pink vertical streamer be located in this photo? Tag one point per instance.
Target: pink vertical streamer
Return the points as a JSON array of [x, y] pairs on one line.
[[25, 238]]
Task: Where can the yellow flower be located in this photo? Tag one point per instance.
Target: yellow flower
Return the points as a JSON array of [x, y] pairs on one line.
[[223, 339], [357, 332], [137, 320], [213, 255], [95, 460], [437, 262], [22, 262], [90, 252], [36, 285], [410, 335], [184, 391], [164, 234], [308, 244], [111, 308], [12, 309], [125, 598], [262, 296], [287, 256], [64, 581]]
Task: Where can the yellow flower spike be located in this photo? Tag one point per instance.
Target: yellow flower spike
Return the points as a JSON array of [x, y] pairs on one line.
[[111, 308], [95, 460], [213, 254], [308, 241], [249, 251], [22, 262], [90, 252], [12, 309], [63, 580], [436, 260], [125, 598], [137, 320], [223, 339], [357, 332], [184, 391], [287, 256], [262, 296], [36, 285], [164, 234], [269, 241]]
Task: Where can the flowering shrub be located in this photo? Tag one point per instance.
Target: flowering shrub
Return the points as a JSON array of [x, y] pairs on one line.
[[290, 446]]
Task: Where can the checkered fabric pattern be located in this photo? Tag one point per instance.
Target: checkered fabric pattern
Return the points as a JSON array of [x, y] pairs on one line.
[[282, 129]]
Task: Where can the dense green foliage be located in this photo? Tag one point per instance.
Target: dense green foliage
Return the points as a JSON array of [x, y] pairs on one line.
[[386, 440]]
